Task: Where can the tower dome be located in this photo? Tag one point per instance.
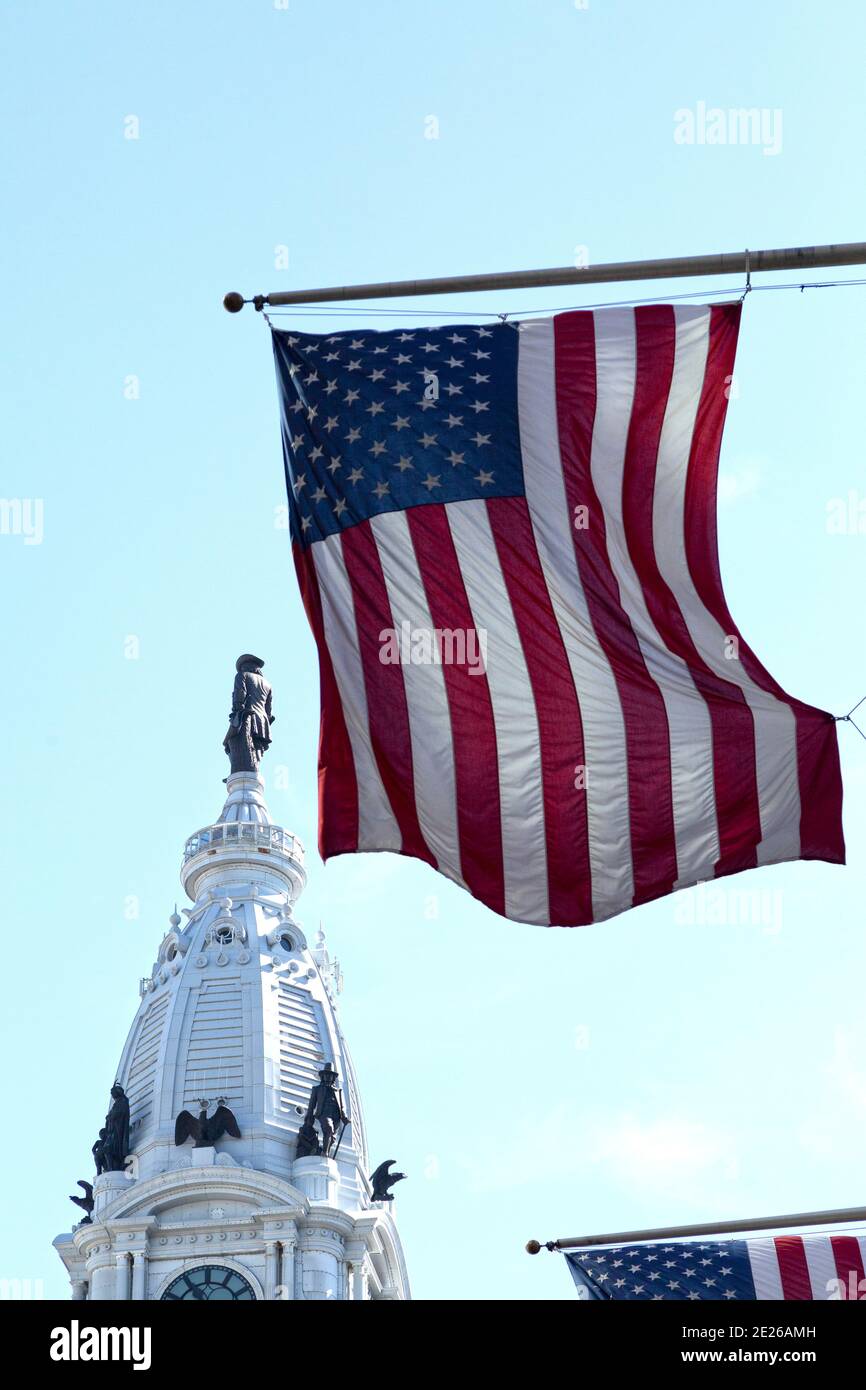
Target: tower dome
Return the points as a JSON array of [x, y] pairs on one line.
[[246, 1165]]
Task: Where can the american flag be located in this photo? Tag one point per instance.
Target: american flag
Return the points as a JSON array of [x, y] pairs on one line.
[[505, 539], [812, 1267]]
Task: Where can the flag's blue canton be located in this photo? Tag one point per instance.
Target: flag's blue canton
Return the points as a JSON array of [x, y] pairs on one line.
[[377, 422], [718, 1270]]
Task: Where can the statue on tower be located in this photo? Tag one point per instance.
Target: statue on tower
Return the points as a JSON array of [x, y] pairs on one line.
[[326, 1107], [250, 720], [112, 1146]]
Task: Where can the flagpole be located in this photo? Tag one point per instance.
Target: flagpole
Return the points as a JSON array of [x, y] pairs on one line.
[[711, 1228], [670, 268]]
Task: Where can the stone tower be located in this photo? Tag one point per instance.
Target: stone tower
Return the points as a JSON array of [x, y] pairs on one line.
[[239, 1010]]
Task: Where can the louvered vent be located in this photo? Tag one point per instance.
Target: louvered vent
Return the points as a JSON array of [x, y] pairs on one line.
[[215, 1056], [301, 1053], [142, 1068]]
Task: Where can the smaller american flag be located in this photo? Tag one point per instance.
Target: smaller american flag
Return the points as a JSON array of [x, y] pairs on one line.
[[806, 1267]]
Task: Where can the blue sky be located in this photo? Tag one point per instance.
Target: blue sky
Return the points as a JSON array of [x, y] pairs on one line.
[[648, 1070]]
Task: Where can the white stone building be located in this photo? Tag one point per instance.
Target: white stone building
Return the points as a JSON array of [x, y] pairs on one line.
[[237, 1006]]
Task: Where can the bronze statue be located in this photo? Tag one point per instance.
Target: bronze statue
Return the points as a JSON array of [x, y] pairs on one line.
[[250, 720], [85, 1202], [115, 1136], [205, 1131], [382, 1180], [308, 1141], [326, 1106], [99, 1154]]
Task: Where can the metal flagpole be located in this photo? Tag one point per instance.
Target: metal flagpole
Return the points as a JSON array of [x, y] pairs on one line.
[[671, 268], [754, 1223]]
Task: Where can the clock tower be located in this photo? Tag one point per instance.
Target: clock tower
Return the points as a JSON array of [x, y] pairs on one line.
[[245, 1173]]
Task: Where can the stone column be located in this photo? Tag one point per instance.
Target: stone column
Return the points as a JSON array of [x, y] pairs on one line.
[[139, 1276], [79, 1290], [121, 1275], [287, 1276], [271, 1262]]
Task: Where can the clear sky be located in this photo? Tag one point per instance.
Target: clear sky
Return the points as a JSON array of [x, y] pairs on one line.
[[653, 1069]]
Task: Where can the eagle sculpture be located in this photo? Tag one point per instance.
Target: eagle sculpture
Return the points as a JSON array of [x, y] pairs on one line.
[[85, 1202], [204, 1129], [381, 1180]]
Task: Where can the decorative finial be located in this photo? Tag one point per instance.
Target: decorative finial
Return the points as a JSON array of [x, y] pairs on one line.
[[251, 717], [174, 919], [233, 301]]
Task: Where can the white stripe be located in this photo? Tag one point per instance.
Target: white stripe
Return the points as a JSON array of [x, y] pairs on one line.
[[821, 1264], [607, 808], [765, 1268], [426, 697], [377, 827], [775, 725], [691, 747], [518, 750]]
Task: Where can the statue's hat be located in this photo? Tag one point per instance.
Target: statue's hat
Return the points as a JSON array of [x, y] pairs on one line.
[[247, 656], [327, 1070]]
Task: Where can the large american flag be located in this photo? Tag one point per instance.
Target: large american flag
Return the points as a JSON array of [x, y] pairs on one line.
[[813, 1267], [526, 515]]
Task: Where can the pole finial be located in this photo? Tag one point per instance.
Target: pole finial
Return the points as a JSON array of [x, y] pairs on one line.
[[234, 302]]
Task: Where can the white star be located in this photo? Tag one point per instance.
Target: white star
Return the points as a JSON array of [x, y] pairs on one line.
[[452, 421], [478, 378], [429, 347], [375, 408], [306, 523], [340, 507], [331, 387], [354, 365], [729, 1293], [455, 458], [334, 464], [377, 448], [316, 453], [453, 390], [484, 332], [312, 412], [453, 362], [356, 343], [456, 338], [431, 481], [401, 422], [377, 374], [483, 479], [331, 423], [319, 495], [356, 475], [478, 406], [427, 440], [404, 462], [308, 380], [479, 440], [401, 358], [331, 357], [297, 441], [379, 349], [400, 386], [351, 397], [353, 435], [300, 481], [405, 337], [381, 489], [478, 353]]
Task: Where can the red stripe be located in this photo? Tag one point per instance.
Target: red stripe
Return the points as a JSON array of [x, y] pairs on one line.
[[560, 727], [791, 1254], [387, 710], [338, 785], [473, 732], [733, 731], [849, 1261], [819, 774], [646, 727]]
